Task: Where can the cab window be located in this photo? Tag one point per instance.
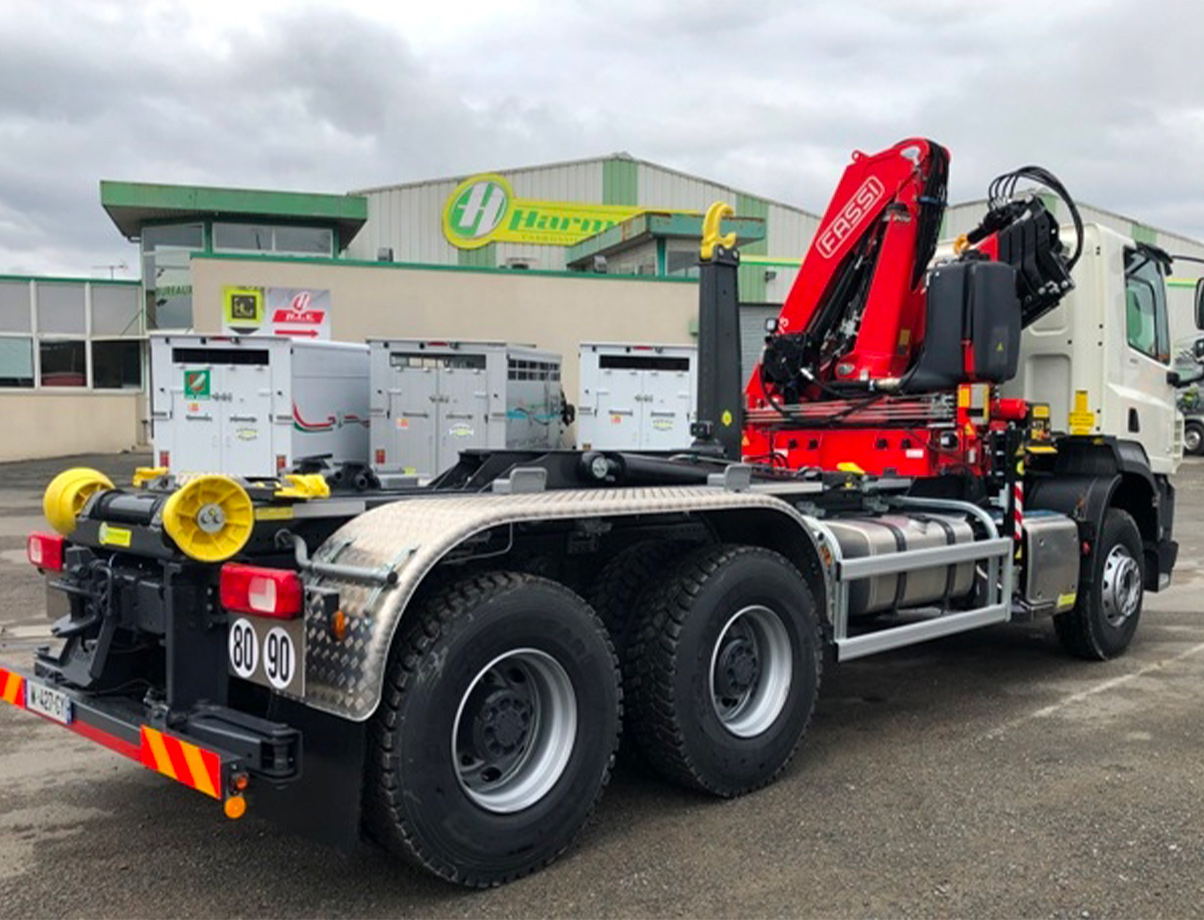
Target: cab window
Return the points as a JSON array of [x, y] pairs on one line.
[[1145, 306]]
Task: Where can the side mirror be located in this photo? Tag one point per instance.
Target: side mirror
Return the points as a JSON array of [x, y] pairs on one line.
[[1178, 380], [1200, 304]]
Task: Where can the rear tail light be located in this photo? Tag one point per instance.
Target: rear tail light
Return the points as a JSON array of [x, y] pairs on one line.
[[380, 457], [266, 592], [45, 550], [165, 459], [281, 463]]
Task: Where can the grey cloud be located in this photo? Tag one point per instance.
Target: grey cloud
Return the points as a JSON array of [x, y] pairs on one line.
[[769, 97]]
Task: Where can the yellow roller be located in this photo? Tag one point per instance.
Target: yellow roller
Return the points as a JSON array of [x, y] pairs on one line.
[[68, 491], [210, 518]]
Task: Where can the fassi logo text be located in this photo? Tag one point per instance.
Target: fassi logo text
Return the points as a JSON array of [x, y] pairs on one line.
[[844, 223]]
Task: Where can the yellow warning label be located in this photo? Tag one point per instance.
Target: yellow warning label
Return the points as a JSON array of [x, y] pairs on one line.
[[1067, 600], [726, 418], [1040, 410], [274, 514], [114, 536], [1082, 419]]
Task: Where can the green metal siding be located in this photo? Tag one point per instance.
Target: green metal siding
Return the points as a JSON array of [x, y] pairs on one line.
[[751, 278], [485, 257], [1143, 234], [620, 182]]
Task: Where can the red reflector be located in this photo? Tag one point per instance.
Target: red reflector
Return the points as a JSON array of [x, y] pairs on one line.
[[45, 550], [380, 457], [165, 459], [267, 592], [281, 462]]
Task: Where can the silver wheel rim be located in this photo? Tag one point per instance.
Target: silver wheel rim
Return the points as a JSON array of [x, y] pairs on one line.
[[1121, 588], [1191, 440], [751, 670], [515, 729]]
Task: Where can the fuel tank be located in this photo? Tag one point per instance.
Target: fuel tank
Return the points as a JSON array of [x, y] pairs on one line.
[[879, 536]]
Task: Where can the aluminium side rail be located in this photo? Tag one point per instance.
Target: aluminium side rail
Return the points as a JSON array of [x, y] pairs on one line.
[[994, 550]]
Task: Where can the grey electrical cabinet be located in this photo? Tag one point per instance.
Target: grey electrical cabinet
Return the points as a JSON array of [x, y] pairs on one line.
[[430, 400], [636, 397]]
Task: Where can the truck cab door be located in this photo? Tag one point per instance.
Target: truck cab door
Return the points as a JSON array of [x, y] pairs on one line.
[[1144, 397]]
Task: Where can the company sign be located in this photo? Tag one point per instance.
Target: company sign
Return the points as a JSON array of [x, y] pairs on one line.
[[484, 210], [853, 213], [296, 312]]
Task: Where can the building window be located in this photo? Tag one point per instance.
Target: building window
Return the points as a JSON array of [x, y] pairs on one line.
[[16, 362], [166, 274], [681, 259], [64, 362], [308, 241], [61, 308], [117, 364], [115, 310], [47, 330], [280, 240], [15, 313]]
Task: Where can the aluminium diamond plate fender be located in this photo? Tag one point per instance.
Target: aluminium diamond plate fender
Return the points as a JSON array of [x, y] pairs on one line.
[[412, 535]]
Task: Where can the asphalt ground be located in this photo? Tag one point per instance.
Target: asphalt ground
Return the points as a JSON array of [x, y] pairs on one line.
[[985, 775]]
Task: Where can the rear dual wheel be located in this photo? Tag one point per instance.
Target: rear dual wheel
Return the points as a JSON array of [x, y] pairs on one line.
[[496, 732], [723, 669]]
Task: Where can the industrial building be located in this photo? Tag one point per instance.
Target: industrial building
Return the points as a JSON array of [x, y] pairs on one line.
[[598, 250]]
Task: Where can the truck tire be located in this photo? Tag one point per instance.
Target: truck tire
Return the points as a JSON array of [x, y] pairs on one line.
[[1106, 614], [723, 669], [1193, 437], [496, 732], [623, 579]]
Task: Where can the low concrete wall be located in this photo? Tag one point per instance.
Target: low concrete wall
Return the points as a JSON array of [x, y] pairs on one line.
[[46, 424]]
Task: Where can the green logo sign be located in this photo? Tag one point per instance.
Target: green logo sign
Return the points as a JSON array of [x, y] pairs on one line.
[[476, 208], [196, 384]]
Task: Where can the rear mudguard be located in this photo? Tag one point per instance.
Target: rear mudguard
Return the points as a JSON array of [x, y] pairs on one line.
[[413, 535]]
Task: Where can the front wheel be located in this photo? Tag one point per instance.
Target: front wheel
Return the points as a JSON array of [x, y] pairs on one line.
[[723, 669], [1193, 437], [1108, 608], [496, 731]]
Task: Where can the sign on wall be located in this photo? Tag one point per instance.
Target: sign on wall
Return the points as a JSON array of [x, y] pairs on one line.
[[484, 210], [297, 312]]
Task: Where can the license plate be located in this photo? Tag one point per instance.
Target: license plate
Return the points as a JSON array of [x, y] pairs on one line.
[[53, 704]]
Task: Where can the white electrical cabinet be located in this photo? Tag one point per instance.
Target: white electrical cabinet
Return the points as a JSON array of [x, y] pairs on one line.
[[431, 400], [636, 397], [253, 406]]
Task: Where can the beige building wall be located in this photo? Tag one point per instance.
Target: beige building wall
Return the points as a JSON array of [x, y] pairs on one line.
[[41, 424], [552, 311]]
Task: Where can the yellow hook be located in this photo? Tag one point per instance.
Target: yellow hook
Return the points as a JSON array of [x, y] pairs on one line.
[[710, 229]]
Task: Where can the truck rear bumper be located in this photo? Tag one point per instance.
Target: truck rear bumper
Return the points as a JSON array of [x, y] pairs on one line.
[[215, 750], [122, 726]]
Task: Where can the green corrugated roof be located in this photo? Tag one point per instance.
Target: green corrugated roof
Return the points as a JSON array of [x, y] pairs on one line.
[[133, 204]]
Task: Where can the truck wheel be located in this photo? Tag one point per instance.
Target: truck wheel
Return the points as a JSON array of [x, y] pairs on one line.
[[1193, 437], [723, 669], [623, 579], [1105, 617], [496, 731]]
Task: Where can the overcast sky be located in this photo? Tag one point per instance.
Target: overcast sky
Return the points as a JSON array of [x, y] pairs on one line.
[[770, 97]]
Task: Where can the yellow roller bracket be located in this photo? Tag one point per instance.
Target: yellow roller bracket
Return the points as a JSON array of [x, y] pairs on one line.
[[67, 493], [210, 518]]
